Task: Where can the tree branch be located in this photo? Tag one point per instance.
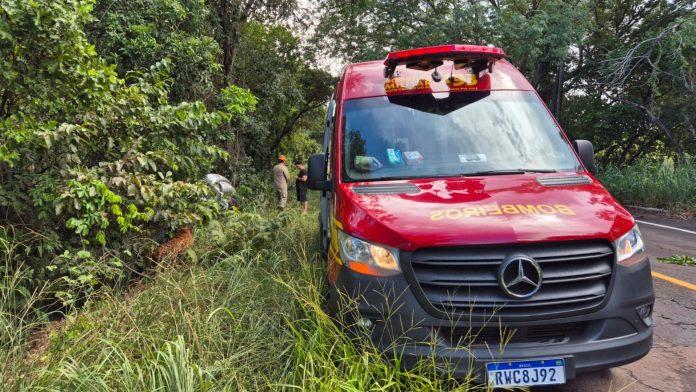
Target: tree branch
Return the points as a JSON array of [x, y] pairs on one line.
[[653, 118], [290, 124]]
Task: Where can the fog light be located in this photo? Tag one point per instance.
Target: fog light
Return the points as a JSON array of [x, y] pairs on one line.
[[364, 323], [645, 313]]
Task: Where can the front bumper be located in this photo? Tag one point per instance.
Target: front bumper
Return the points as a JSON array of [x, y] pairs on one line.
[[609, 336]]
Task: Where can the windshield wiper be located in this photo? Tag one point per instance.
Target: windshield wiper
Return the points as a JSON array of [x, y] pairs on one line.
[[506, 171]]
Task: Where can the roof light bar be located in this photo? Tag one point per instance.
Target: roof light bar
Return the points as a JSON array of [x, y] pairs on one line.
[[482, 56]]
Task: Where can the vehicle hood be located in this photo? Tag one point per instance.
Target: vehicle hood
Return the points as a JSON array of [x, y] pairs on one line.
[[480, 210]]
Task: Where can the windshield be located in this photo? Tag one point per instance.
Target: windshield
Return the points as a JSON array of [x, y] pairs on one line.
[[468, 133]]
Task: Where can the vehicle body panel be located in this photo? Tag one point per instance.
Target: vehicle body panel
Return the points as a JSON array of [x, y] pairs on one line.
[[441, 213]]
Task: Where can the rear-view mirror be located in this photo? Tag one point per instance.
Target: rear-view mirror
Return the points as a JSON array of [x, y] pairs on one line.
[[316, 173], [586, 153]]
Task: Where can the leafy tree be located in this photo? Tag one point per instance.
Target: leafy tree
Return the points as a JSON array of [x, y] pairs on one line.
[[617, 72], [211, 43], [299, 146], [136, 34], [292, 94], [232, 18], [635, 57], [88, 159], [657, 76]]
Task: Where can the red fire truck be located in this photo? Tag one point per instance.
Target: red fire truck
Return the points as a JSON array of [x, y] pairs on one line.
[[455, 211]]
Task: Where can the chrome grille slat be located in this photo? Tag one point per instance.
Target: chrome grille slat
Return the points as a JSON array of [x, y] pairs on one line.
[[576, 278], [456, 263], [525, 305], [584, 257]]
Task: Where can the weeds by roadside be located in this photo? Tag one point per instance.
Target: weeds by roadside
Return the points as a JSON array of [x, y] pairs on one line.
[[654, 184], [678, 259]]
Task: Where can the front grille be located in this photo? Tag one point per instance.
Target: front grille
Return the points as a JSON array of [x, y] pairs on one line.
[[552, 333], [576, 278]]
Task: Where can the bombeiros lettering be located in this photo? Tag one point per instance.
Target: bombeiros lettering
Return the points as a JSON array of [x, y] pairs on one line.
[[502, 209]]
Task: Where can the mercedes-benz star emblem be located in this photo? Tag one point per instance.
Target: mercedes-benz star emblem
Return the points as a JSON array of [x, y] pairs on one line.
[[520, 277]]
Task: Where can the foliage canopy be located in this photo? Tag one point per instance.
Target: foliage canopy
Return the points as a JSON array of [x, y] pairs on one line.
[[625, 69], [103, 145]]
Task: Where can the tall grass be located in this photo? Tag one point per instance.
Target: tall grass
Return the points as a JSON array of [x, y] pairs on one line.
[[654, 184], [21, 309], [241, 312]]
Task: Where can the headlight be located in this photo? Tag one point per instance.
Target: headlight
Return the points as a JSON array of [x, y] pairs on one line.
[[367, 258], [629, 247]]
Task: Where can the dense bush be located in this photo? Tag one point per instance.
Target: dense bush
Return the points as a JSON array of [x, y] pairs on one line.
[[90, 160]]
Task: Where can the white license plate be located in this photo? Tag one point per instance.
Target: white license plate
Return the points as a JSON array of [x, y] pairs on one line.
[[526, 373]]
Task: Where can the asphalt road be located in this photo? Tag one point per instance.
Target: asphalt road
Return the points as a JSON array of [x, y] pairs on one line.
[[671, 364]]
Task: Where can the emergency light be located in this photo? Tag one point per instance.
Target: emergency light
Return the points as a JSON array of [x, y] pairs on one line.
[[475, 56]]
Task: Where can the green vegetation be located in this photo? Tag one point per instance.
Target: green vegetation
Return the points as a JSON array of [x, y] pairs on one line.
[[654, 184], [678, 259], [241, 311], [111, 113]]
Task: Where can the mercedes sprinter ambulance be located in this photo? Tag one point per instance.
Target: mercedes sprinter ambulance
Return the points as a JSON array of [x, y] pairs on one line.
[[469, 228]]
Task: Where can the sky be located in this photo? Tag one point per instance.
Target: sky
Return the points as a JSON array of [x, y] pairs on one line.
[[331, 64]]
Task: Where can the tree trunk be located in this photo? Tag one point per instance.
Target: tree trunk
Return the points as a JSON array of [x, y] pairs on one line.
[[231, 47], [232, 24], [655, 120], [290, 124], [558, 93]]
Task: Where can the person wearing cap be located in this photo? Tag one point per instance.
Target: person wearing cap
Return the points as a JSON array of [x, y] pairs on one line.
[[281, 177]]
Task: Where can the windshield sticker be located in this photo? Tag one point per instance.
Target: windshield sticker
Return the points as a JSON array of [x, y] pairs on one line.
[[394, 85], [397, 85], [504, 209], [413, 157], [423, 84], [472, 158]]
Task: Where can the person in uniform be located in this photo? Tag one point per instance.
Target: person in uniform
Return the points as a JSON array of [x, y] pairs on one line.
[[281, 177], [301, 187]]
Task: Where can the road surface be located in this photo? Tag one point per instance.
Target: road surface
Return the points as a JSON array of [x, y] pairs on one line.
[[671, 364]]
